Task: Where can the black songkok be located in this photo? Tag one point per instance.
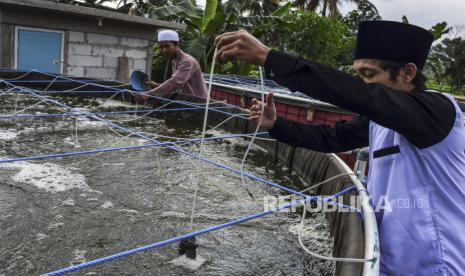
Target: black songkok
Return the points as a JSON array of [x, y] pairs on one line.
[[393, 41]]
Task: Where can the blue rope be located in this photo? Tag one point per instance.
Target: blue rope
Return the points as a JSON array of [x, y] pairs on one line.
[[75, 91], [219, 78], [56, 81], [102, 113], [180, 150], [239, 80], [192, 234], [128, 91], [177, 149], [193, 105], [36, 71], [66, 154], [162, 243]]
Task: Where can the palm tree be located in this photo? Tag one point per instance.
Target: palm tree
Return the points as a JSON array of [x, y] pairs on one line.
[[252, 7], [329, 6]]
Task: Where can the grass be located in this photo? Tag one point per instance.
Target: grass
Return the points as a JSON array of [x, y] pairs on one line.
[[445, 88]]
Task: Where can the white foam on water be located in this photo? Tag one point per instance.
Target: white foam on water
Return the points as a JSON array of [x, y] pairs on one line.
[[107, 205], [141, 141], [170, 214], [79, 256], [86, 122], [112, 103], [216, 132], [114, 164], [8, 135], [71, 141], [41, 236], [188, 263], [55, 225], [69, 202], [48, 176], [92, 199], [311, 232], [130, 211]]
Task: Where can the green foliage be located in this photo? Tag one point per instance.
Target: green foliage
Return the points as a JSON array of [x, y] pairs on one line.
[[439, 30], [204, 25], [209, 13], [310, 36], [444, 87], [405, 19], [185, 11], [364, 12], [159, 65], [252, 7], [446, 66], [435, 69], [331, 7], [451, 52], [283, 10], [195, 39], [435, 65]]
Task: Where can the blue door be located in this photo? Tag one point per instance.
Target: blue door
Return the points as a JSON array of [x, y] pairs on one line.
[[39, 50]]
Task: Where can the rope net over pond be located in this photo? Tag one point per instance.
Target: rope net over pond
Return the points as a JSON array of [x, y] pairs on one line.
[[56, 107]]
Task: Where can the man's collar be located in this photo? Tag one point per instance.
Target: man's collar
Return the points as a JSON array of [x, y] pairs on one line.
[[178, 55]]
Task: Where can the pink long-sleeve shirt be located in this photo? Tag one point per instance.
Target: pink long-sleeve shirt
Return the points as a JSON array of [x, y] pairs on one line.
[[186, 76]]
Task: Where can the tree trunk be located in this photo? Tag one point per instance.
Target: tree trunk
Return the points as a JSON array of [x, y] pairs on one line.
[[325, 6]]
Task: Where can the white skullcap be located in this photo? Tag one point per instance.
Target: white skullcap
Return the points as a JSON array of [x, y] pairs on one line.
[[168, 35]]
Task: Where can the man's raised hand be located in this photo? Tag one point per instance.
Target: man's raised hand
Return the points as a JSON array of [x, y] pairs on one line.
[[241, 45], [269, 112]]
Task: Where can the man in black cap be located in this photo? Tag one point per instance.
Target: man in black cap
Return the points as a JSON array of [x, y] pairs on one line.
[[416, 138]]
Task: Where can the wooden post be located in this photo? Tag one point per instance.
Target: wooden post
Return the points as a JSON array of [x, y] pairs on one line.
[[123, 72]]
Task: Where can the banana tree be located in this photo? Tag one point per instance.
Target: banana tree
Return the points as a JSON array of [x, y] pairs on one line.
[[196, 38], [204, 25]]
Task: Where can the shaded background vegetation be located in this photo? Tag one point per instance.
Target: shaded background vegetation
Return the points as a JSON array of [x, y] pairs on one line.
[[310, 29]]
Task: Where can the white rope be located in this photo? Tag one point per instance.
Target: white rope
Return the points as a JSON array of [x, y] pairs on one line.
[[227, 119], [100, 153], [146, 114], [301, 226], [202, 140], [22, 76], [61, 108], [262, 88], [24, 109], [196, 187], [316, 255], [50, 84], [204, 128], [76, 141], [326, 181]]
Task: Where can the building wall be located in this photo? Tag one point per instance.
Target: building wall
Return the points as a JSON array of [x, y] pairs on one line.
[[98, 55], [89, 50]]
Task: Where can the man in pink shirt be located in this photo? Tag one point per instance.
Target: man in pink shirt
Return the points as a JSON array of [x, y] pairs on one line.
[[186, 76]]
